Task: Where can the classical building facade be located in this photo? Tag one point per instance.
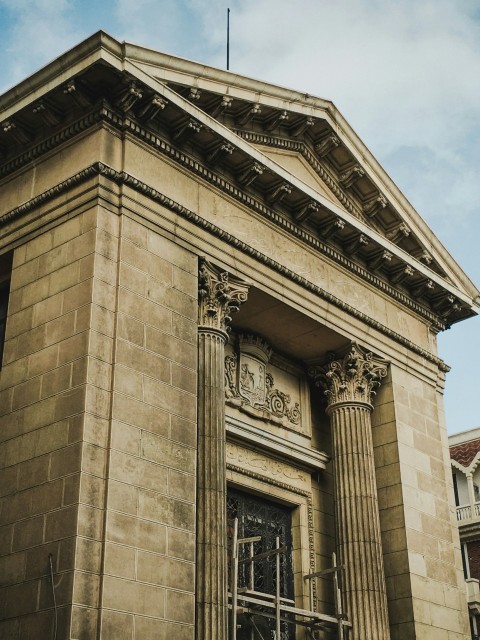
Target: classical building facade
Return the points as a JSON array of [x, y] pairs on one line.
[[465, 456], [221, 398]]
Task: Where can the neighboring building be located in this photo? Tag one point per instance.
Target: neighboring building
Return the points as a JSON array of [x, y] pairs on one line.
[[465, 455], [147, 205]]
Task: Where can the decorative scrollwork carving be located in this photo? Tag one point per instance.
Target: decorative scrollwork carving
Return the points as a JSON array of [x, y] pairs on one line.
[[231, 390], [276, 404]]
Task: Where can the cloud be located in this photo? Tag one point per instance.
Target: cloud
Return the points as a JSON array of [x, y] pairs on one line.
[[405, 74], [39, 31], [182, 28]]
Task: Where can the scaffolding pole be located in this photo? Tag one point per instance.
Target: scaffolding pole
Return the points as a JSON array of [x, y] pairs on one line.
[[275, 606]]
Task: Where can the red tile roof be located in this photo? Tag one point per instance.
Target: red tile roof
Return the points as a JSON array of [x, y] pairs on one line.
[[465, 453]]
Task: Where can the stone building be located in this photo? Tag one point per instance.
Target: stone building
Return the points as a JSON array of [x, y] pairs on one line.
[[465, 456], [221, 325]]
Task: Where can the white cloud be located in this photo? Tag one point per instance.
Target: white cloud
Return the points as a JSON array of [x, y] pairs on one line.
[[40, 30], [405, 74]]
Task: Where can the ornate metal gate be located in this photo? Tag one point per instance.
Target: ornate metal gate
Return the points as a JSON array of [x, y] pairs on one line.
[[260, 517]]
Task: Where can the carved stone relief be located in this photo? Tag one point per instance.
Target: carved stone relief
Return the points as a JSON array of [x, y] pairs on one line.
[[264, 465], [251, 388]]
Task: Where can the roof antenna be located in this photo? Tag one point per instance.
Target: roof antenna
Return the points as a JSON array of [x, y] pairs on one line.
[[228, 39]]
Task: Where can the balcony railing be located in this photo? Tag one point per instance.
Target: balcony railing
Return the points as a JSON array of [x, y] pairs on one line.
[[465, 512]]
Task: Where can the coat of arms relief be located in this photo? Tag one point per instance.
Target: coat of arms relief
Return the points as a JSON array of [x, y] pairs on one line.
[[251, 388]]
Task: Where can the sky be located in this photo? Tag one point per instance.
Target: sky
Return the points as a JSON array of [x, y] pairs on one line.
[[405, 74]]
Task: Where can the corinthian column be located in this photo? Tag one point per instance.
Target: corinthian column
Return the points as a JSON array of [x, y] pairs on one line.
[[219, 294], [349, 385]]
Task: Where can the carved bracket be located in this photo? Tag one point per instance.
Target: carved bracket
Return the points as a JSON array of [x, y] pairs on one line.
[[194, 94], [400, 275], [16, 132], [374, 205], [330, 229], [424, 287], [46, 113], [276, 120], [187, 129], [355, 243], [306, 211], [248, 114], [278, 193], [218, 152], [327, 145], [351, 176], [128, 96], [72, 89], [380, 259], [152, 107], [218, 108], [302, 126], [424, 256], [251, 173], [400, 232]]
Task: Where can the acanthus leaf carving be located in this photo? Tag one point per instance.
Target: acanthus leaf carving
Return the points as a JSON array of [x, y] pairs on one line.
[[219, 295], [353, 378]]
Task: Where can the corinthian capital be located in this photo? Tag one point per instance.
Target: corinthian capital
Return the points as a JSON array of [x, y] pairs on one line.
[[219, 295], [353, 378]]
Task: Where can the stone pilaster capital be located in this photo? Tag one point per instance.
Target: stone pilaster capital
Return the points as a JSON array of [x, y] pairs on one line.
[[219, 295], [353, 378]]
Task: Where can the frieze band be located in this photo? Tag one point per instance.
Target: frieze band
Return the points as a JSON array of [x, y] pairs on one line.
[[121, 177]]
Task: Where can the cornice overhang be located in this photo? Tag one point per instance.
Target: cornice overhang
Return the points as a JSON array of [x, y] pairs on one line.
[[123, 179], [105, 85]]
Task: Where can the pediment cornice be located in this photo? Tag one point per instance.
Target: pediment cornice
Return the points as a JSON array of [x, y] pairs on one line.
[[226, 158]]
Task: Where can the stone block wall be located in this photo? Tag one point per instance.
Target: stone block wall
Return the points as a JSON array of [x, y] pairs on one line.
[[98, 404], [149, 571], [51, 464], [420, 542]]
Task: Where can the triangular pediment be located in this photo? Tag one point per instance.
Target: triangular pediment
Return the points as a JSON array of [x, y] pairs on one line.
[[295, 163], [289, 156]]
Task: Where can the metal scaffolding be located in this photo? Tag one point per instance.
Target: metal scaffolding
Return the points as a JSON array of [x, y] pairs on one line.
[[254, 604]]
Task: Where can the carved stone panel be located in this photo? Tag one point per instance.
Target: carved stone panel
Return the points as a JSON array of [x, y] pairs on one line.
[[252, 380], [260, 389], [266, 467]]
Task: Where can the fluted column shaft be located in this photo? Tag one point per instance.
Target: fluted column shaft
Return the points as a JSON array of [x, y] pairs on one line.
[[211, 488], [349, 385], [358, 522], [220, 294]]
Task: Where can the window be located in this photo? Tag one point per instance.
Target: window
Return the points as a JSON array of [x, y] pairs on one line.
[[5, 276], [261, 517], [455, 489], [465, 563]]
